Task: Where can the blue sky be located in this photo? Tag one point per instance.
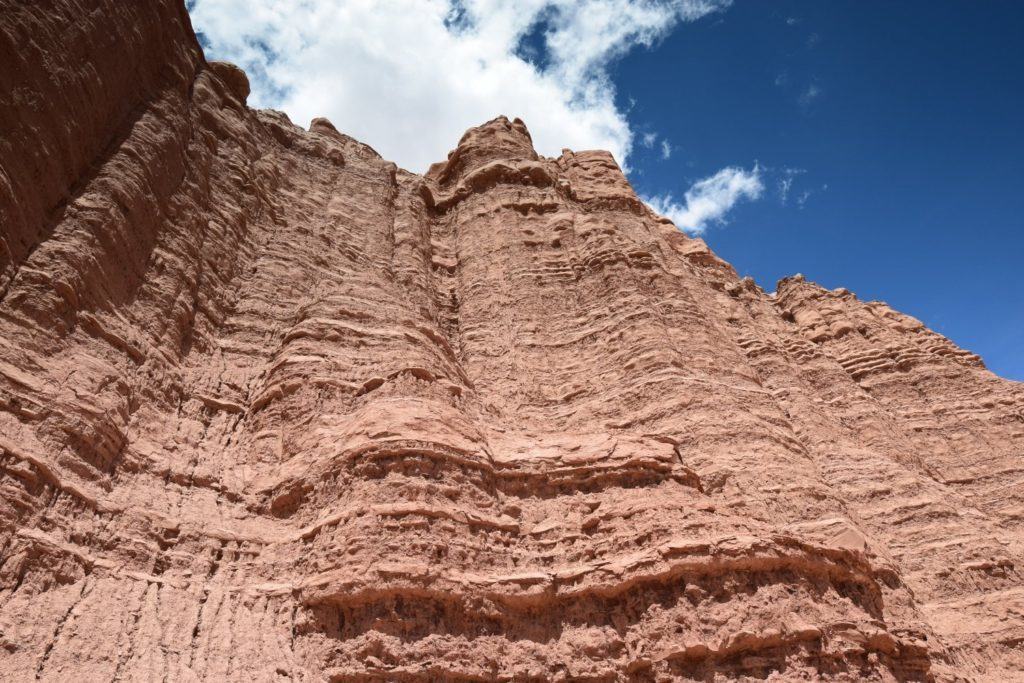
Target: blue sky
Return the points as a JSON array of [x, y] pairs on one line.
[[876, 146], [912, 115]]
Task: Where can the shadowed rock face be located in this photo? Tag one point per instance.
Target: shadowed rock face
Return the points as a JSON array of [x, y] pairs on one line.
[[273, 408]]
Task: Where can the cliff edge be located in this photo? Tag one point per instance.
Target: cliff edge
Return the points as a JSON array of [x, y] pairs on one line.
[[273, 408]]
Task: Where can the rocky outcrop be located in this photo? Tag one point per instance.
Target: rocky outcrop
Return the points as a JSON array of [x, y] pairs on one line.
[[273, 408]]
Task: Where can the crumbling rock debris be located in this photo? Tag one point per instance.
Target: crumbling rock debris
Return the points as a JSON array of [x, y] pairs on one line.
[[273, 408]]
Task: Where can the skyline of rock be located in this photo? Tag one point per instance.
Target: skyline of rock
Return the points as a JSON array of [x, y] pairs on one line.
[[273, 408]]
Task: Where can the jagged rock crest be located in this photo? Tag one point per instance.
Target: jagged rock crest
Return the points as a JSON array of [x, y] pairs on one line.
[[273, 408]]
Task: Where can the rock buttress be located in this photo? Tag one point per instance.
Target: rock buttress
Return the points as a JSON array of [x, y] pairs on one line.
[[272, 407]]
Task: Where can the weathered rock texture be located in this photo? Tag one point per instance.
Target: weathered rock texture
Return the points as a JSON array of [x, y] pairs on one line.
[[273, 408]]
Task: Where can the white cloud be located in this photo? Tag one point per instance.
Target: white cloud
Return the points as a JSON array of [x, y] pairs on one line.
[[648, 139], [409, 76], [785, 182], [801, 201], [708, 200], [808, 96], [666, 149]]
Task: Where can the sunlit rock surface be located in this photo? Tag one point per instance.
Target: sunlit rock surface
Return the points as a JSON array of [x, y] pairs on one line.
[[272, 408]]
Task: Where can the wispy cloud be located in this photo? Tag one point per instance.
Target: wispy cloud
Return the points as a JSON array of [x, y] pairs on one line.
[[793, 85], [801, 201], [809, 95], [785, 182], [709, 200], [666, 150], [410, 76], [785, 185]]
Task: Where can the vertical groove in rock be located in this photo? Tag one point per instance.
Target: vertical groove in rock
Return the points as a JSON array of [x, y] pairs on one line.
[[271, 407]]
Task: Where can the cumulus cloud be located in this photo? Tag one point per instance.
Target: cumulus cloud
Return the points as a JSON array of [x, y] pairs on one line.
[[409, 76], [708, 200]]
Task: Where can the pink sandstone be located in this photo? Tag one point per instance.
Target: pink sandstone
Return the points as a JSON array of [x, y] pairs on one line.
[[272, 408]]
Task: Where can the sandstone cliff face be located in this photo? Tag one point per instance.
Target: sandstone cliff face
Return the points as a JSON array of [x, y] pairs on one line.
[[272, 408]]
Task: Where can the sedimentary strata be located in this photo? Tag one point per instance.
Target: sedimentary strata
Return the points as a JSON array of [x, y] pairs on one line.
[[274, 408]]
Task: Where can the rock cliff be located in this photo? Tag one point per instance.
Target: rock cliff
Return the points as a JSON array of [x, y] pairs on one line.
[[272, 408]]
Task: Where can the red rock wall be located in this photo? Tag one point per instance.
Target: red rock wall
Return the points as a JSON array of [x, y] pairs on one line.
[[271, 407], [77, 76]]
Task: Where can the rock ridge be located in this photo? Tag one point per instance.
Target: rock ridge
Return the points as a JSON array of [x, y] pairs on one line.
[[272, 407]]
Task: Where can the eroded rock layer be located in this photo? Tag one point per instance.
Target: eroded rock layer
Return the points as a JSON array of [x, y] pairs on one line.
[[273, 408]]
